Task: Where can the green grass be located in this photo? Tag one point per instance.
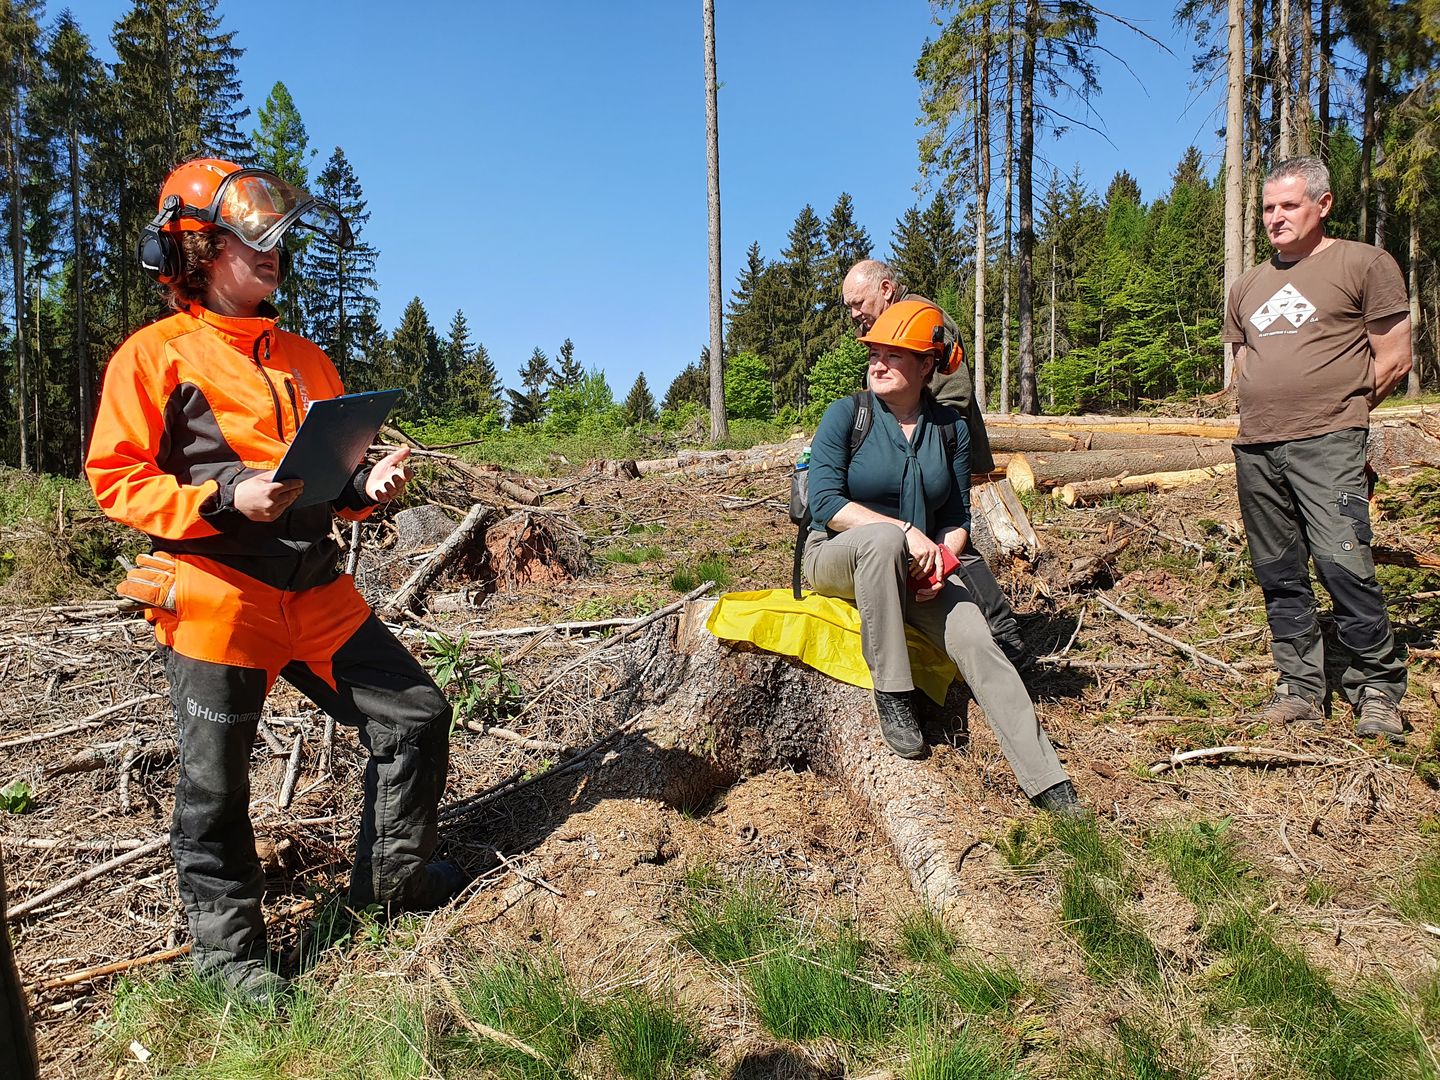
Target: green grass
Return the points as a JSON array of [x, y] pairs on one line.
[[967, 1055], [192, 1031], [649, 1038], [729, 923], [1420, 897], [1138, 1053], [711, 568], [1024, 843], [1095, 888], [1271, 985], [530, 998], [978, 987], [633, 556], [924, 937], [821, 990]]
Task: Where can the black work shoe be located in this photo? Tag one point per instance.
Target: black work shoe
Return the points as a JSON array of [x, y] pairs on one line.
[[443, 880], [1060, 799], [898, 726], [1378, 715], [251, 982]]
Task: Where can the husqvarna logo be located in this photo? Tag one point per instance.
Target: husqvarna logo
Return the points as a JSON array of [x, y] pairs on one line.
[[204, 712], [1286, 304]]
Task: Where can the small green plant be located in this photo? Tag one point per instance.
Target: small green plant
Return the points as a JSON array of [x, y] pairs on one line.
[[1024, 843], [16, 797], [924, 937], [649, 1038], [478, 685], [1319, 892], [1420, 898]]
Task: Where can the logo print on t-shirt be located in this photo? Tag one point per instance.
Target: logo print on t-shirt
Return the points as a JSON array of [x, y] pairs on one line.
[[1286, 304]]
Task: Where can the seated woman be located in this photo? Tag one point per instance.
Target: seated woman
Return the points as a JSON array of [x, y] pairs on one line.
[[882, 515]]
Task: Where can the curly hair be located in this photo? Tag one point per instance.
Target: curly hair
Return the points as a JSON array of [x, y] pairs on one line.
[[198, 252]]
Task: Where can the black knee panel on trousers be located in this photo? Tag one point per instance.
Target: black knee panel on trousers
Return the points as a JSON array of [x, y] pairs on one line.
[[1289, 601], [1361, 620]]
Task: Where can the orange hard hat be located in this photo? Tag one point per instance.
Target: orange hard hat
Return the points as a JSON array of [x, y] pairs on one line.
[[919, 327]]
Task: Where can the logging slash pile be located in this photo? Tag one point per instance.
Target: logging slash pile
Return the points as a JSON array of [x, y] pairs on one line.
[[609, 753]]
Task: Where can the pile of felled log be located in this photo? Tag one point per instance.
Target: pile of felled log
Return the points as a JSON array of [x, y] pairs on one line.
[[1081, 459]]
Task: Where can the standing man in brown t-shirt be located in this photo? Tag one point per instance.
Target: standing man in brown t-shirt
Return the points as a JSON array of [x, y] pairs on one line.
[[1321, 334]]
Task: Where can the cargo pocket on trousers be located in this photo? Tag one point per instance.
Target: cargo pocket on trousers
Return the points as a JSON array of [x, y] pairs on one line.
[[1356, 508]]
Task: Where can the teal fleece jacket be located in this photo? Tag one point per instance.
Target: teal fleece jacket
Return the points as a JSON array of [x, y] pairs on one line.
[[910, 481]]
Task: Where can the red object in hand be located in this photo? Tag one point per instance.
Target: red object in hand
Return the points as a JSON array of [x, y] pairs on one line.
[[948, 565]]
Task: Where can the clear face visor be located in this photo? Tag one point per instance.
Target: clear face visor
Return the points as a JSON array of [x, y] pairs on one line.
[[260, 209]]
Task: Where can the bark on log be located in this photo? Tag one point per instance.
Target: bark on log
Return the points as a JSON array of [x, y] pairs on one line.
[[1086, 491], [1198, 426], [723, 712], [1036, 440], [1027, 472], [1415, 560]]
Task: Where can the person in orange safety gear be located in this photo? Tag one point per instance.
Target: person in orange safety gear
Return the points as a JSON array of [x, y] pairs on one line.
[[196, 412]]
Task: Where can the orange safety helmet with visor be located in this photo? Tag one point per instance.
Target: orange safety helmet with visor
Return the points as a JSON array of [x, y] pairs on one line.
[[918, 327], [253, 205]]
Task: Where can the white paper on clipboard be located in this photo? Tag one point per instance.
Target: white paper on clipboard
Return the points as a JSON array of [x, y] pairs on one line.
[[332, 440]]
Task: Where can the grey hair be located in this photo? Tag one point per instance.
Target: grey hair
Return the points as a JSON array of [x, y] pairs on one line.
[[1310, 169], [872, 272]]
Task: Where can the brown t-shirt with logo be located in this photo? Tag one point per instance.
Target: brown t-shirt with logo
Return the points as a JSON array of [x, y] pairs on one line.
[[1308, 368]]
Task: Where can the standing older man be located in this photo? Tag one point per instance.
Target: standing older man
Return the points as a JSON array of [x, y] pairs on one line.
[[1321, 334], [869, 288]]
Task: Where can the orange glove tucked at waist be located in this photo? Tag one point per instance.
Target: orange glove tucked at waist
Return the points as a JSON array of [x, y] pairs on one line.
[[152, 582]]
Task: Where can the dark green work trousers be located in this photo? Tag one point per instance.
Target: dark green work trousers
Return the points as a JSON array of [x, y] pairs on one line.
[[404, 722], [1308, 499]]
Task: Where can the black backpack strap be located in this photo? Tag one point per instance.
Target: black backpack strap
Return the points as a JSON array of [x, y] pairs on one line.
[[800, 532]]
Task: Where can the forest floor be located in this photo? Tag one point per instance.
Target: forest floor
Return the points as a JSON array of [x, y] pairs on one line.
[[1243, 915]]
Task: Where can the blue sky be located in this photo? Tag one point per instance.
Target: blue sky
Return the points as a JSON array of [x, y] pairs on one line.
[[542, 166]]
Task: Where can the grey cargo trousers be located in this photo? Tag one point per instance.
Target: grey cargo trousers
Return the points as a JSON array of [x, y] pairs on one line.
[[870, 565], [404, 723], [1307, 499]]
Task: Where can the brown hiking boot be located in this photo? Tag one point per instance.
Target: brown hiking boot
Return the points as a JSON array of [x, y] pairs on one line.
[[1378, 715], [1288, 707]]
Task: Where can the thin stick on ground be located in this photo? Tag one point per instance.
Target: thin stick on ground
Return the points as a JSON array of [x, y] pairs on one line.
[[470, 1024], [90, 721], [1211, 752], [1174, 643], [24, 908]]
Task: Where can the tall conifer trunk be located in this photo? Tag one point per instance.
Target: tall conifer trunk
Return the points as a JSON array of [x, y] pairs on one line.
[[1252, 126], [1009, 250], [1234, 159], [17, 271], [83, 378], [1367, 130], [1029, 396], [982, 205], [1282, 83], [719, 426], [1304, 117], [1412, 385], [1327, 47]]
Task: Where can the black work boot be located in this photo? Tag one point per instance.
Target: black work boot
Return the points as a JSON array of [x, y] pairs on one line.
[[1060, 799], [898, 726], [251, 980]]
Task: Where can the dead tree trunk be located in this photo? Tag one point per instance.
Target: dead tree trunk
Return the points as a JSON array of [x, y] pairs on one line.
[[1026, 472]]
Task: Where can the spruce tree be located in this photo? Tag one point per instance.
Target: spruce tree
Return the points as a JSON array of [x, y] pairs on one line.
[[691, 385], [475, 385], [528, 407], [848, 243], [802, 314], [343, 282], [639, 407], [569, 373], [283, 147], [418, 366]]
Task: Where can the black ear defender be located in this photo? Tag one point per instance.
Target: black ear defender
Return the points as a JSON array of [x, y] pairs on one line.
[[158, 253]]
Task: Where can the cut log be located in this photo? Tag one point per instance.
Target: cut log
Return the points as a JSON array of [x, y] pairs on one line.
[[1415, 560], [1033, 440], [1200, 427], [1028, 472], [406, 595], [723, 712], [1010, 528], [1088, 491]]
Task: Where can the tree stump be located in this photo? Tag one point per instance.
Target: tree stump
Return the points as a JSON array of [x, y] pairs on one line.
[[720, 712]]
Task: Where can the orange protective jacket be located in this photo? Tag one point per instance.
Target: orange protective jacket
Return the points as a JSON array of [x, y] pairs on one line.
[[191, 406]]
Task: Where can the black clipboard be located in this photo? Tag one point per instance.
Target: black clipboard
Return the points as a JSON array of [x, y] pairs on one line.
[[332, 441]]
